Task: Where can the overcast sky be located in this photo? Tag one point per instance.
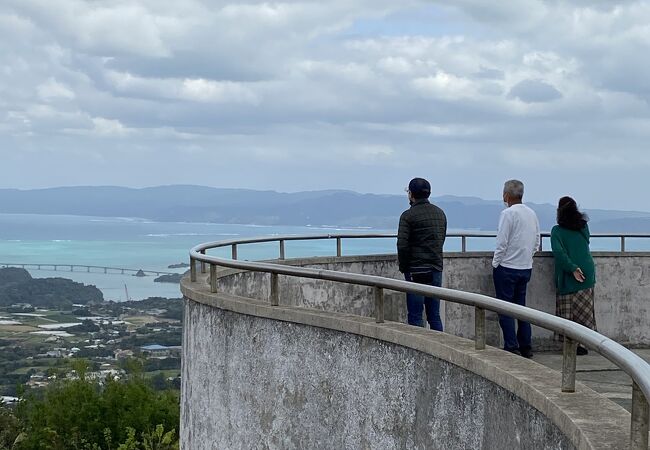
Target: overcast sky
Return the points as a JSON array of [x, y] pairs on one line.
[[351, 94]]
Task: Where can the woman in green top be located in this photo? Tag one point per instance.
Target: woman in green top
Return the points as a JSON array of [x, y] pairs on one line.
[[575, 274]]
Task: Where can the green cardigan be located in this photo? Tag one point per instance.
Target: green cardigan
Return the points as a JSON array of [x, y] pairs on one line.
[[571, 250]]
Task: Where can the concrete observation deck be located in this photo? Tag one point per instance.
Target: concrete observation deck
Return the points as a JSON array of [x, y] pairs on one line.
[[318, 371], [598, 374]]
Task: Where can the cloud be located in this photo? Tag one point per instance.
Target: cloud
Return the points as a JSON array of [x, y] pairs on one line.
[[52, 89], [108, 127], [121, 27], [196, 90], [490, 74], [339, 94], [534, 91], [443, 85]]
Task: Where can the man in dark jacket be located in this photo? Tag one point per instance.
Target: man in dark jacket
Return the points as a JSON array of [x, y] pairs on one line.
[[421, 236]]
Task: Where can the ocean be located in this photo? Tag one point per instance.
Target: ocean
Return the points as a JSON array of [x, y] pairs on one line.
[[143, 244]]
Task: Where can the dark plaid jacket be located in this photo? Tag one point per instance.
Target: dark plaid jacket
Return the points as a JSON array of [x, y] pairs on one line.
[[421, 235]]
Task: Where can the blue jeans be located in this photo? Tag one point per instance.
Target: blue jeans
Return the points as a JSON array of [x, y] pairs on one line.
[[510, 285], [415, 303]]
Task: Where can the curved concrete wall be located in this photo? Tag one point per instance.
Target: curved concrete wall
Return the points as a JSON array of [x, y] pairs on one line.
[[622, 293], [260, 383], [258, 376]]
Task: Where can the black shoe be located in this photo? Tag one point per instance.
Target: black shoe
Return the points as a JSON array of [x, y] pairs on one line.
[[513, 351], [582, 351], [526, 352]]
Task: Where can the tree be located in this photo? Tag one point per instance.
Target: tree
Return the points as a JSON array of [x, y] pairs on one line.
[[133, 366], [159, 440], [9, 428], [82, 414], [159, 382], [153, 440], [80, 366]]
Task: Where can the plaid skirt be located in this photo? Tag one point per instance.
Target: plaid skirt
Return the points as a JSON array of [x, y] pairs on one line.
[[578, 307]]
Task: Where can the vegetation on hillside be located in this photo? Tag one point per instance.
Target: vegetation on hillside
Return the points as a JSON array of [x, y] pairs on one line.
[[116, 399], [18, 286], [10, 275], [83, 414]]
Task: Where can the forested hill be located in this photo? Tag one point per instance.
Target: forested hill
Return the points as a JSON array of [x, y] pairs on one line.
[[333, 207], [17, 286]]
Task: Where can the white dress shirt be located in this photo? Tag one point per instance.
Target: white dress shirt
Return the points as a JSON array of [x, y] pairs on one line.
[[517, 238]]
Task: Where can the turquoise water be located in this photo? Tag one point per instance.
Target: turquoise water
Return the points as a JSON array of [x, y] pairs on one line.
[[142, 244]]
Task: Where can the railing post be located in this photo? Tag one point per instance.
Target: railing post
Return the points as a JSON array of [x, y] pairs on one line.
[[192, 270], [281, 248], [541, 242], [275, 290], [622, 244], [234, 251], [463, 244], [640, 418], [339, 249], [213, 277], [203, 268], [379, 304], [569, 365], [479, 328]]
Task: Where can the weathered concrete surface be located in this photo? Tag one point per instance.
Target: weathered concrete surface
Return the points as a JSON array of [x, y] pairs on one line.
[[586, 419], [622, 293], [250, 382], [599, 374]]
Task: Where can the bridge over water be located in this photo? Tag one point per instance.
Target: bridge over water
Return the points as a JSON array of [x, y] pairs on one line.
[[85, 268]]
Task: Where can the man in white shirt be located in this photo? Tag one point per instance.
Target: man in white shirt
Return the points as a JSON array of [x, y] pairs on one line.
[[517, 241]]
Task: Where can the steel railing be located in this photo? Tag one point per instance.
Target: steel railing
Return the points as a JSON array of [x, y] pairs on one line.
[[573, 333]]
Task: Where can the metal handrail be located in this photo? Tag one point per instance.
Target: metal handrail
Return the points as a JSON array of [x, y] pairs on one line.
[[574, 333], [463, 236]]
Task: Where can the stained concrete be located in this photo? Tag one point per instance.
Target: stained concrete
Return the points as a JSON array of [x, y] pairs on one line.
[[599, 374], [256, 376], [622, 299], [251, 382], [586, 419]]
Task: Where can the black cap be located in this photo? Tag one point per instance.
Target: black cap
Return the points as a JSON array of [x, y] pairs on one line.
[[420, 188]]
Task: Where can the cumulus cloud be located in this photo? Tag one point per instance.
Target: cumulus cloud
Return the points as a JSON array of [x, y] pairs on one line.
[[51, 89], [197, 90], [304, 94], [108, 127]]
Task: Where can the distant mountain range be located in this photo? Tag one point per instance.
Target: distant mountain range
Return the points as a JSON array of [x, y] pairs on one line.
[[182, 203]]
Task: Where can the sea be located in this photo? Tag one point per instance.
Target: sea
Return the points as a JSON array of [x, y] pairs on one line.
[[133, 243]]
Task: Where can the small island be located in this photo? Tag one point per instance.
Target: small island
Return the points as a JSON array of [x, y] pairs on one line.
[[171, 278]]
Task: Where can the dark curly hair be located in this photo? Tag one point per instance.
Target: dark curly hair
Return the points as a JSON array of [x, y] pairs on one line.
[[568, 215]]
